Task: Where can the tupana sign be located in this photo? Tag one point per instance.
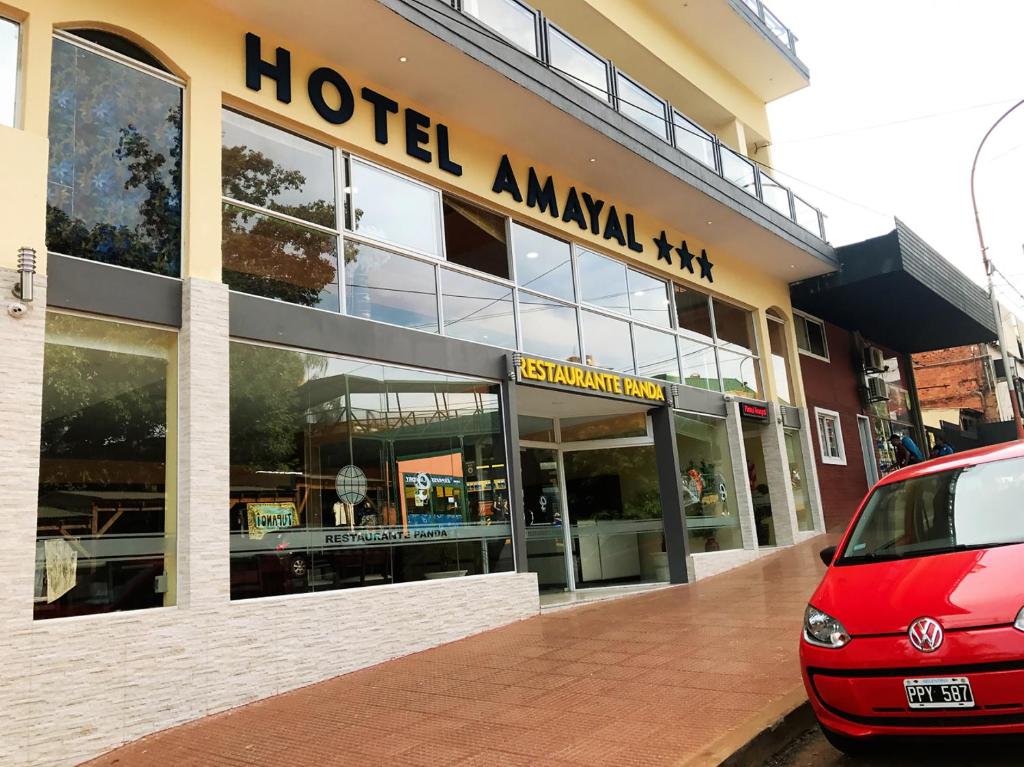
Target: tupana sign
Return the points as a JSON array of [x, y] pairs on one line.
[[563, 375]]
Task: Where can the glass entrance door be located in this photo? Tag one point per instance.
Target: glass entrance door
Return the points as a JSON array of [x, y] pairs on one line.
[[545, 515]]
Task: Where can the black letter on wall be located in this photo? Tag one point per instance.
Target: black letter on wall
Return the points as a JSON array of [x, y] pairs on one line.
[[415, 135], [631, 242], [573, 211], [505, 180], [594, 209], [335, 115], [444, 157], [381, 106], [541, 197], [256, 69]]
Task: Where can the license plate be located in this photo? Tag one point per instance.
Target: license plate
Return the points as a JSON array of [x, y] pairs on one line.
[[940, 692]]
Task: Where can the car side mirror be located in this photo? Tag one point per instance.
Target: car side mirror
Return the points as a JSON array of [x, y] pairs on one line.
[[827, 555]]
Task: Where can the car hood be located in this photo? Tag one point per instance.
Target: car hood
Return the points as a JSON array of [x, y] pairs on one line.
[[961, 589]]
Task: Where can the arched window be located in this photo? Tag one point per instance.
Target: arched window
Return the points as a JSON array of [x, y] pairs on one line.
[[779, 350], [114, 182]]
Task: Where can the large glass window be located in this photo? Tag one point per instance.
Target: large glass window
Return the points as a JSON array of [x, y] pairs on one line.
[[648, 299], [603, 282], [478, 310], [474, 237], [810, 336], [387, 287], [275, 258], [273, 169], [606, 342], [114, 181], [9, 49], [579, 65], [394, 209], [700, 369], [655, 354], [780, 360], [346, 473], [734, 326], [543, 263], [709, 493], [741, 374], [549, 328], [105, 538], [641, 106], [798, 480], [693, 311], [508, 18]]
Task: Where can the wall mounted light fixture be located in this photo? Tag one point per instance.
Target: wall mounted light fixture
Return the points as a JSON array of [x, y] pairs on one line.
[[24, 287]]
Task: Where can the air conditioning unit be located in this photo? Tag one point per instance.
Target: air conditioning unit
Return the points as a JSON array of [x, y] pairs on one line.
[[874, 360], [878, 390]]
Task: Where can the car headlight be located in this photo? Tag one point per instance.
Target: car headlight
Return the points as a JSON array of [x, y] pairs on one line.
[[822, 630], [1019, 623]]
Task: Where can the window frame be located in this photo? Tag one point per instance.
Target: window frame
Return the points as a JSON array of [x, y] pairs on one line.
[[804, 317], [16, 115], [821, 414]]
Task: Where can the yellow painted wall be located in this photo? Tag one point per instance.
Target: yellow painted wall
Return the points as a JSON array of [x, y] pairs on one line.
[[205, 47]]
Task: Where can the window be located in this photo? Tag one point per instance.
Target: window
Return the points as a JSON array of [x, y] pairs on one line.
[[798, 480], [830, 437], [478, 310], [474, 237], [577, 64], [648, 299], [387, 287], [9, 53], [549, 328], [694, 140], [393, 209], [346, 473], [511, 20], [741, 374], [708, 488], [543, 263], [105, 535], [641, 106], [699, 367], [114, 181], [779, 352], [734, 326], [693, 311], [655, 354], [606, 342], [603, 282], [810, 336]]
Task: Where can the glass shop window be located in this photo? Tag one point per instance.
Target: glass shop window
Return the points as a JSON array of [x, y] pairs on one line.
[[543, 263], [114, 180], [606, 342], [549, 328], [478, 310], [106, 518], [709, 493], [474, 237], [699, 365], [693, 311], [655, 354], [392, 209], [10, 41], [346, 473], [603, 282], [741, 374]]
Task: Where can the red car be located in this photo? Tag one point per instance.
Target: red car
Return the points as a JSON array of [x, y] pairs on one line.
[[917, 628]]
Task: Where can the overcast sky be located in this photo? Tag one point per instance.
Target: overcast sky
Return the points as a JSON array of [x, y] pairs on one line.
[[901, 93]]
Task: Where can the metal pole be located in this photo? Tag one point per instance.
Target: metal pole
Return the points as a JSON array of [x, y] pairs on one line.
[[1008, 368]]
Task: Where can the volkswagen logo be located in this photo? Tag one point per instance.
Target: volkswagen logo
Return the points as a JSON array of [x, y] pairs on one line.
[[925, 634]]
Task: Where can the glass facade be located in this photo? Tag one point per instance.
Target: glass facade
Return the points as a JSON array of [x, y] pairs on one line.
[[346, 473], [114, 181], [798, 480], [105, 536], [709, 493]]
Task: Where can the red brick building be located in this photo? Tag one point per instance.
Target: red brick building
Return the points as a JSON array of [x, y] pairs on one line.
[[954, 380]]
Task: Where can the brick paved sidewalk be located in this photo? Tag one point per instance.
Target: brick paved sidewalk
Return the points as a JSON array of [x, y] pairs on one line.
[[653, 679]]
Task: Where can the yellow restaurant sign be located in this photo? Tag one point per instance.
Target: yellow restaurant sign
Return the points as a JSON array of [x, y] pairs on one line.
[[605, 382]]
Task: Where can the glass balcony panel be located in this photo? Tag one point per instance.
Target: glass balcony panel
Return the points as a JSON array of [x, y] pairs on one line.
[[738, 170], [776, 27], [508, 18], [807, 216], [642, 107], [580, 66], [774, 195], [694, 140]]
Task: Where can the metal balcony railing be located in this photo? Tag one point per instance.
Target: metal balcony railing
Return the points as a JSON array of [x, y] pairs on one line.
[[527, 29]]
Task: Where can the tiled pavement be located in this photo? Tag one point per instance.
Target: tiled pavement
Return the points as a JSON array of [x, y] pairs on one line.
[[652, 679]]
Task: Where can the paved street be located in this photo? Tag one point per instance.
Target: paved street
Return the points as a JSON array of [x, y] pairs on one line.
[[812, 750], [663, 678]]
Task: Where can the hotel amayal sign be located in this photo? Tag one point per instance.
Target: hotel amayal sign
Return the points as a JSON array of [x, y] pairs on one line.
[[563, 375]]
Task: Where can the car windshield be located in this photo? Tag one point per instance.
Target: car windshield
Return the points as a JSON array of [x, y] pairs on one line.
[[972, 507]]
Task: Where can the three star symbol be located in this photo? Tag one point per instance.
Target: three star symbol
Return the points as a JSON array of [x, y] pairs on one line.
[[686, 258]]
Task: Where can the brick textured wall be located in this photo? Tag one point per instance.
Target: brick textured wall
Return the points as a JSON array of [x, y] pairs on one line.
[[73, 688], [954, 379], [833, 385]]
